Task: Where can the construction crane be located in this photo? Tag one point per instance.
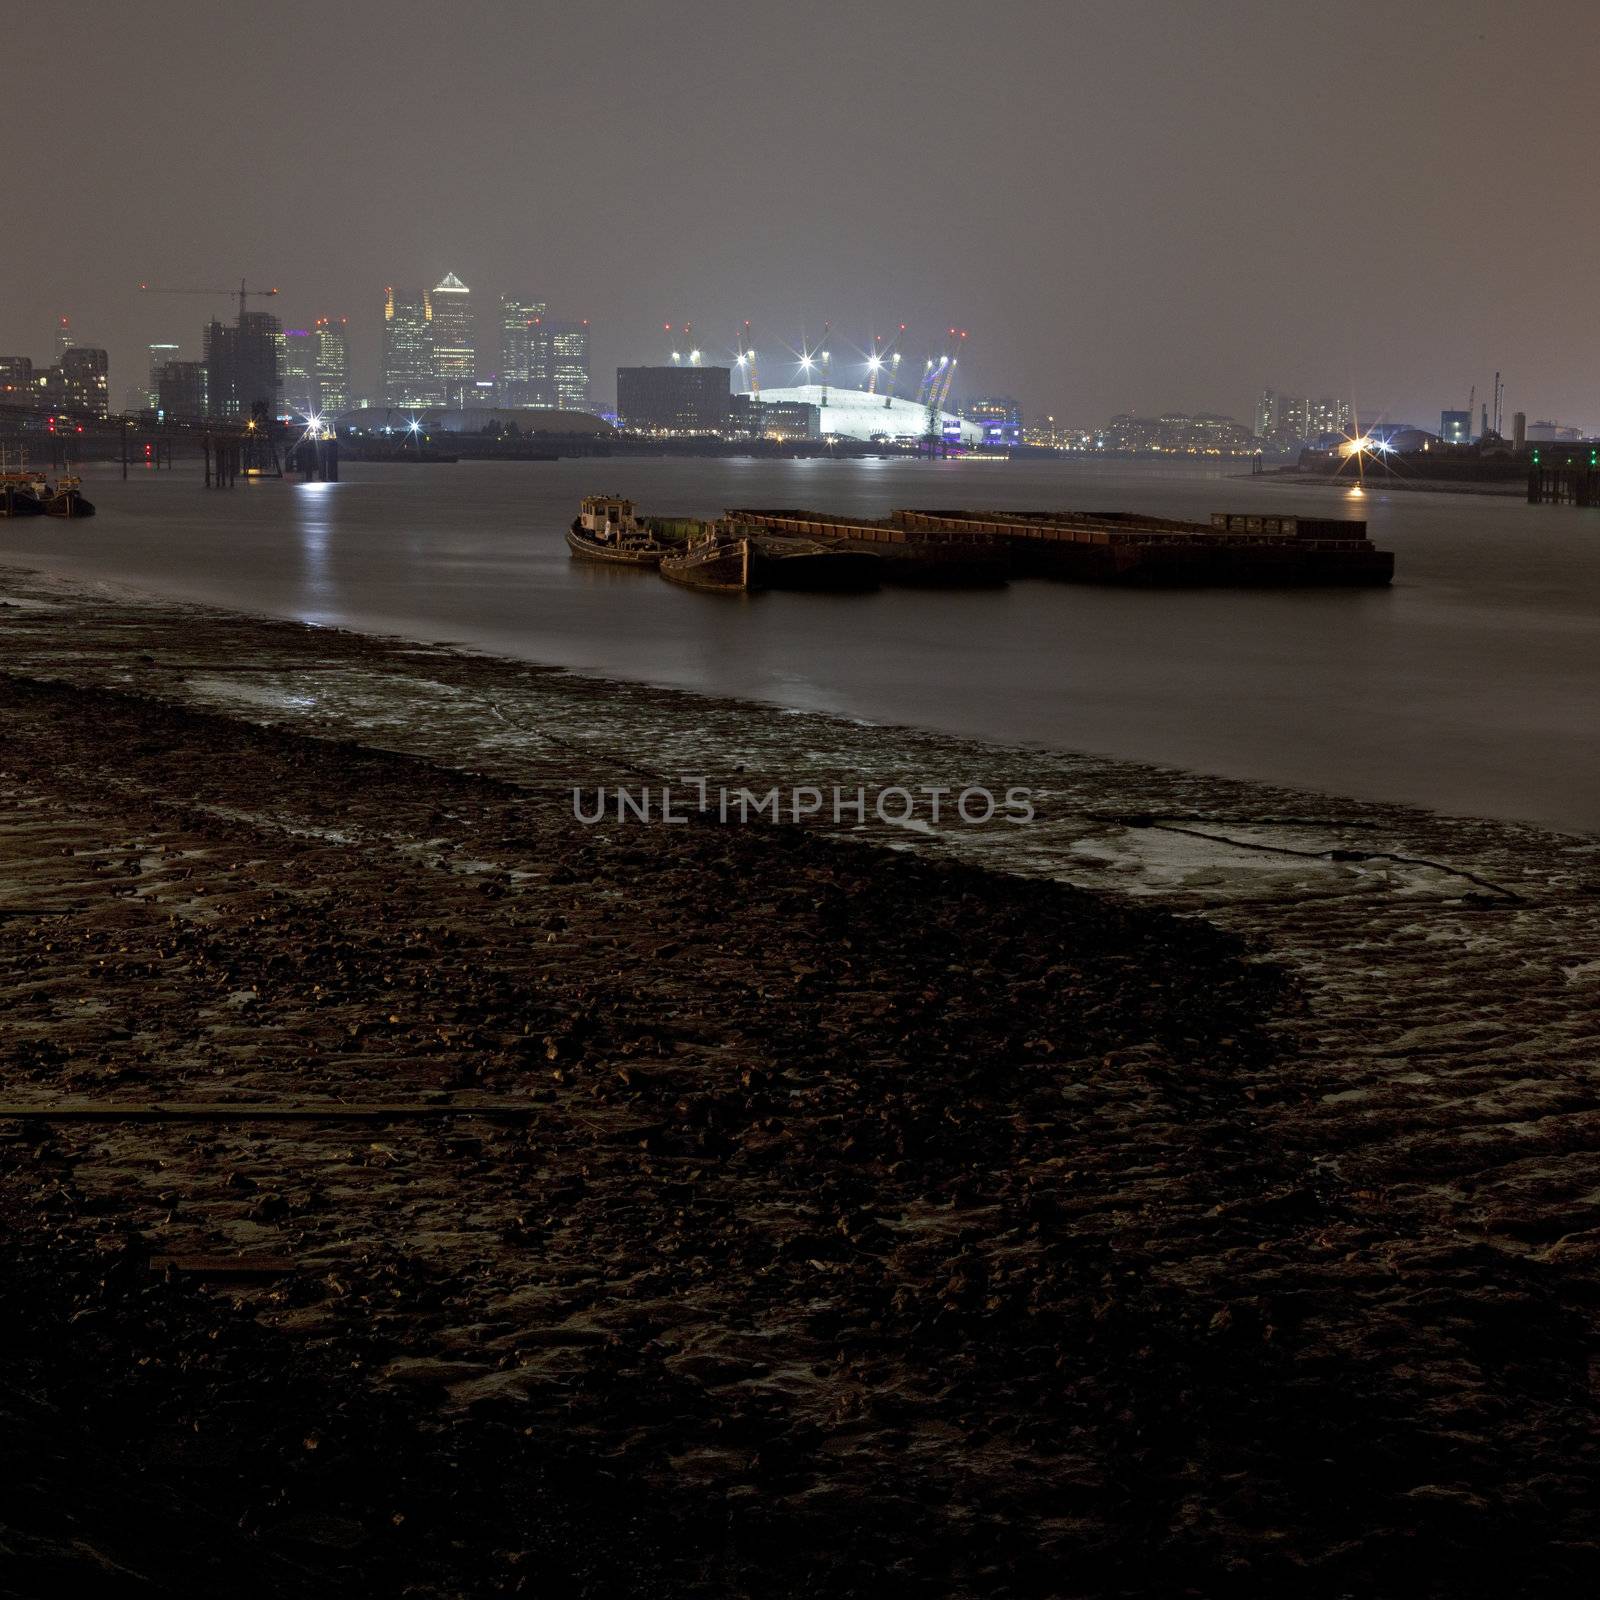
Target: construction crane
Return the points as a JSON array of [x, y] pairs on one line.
[[243, 291], [1471, 397]]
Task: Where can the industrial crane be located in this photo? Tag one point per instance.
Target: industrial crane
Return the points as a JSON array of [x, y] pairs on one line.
[[242, 291]]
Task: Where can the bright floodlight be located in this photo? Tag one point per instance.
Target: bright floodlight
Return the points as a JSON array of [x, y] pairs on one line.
[[873, 363]]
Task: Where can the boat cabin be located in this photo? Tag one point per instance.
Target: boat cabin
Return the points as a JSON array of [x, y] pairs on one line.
[[607, 516]]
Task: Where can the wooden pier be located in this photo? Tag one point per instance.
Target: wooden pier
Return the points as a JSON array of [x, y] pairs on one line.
[[1573, 482]]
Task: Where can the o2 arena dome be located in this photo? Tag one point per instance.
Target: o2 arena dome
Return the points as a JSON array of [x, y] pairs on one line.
[[855, 414]]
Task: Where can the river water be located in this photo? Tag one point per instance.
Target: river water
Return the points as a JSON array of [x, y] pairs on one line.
[[1471, 686]]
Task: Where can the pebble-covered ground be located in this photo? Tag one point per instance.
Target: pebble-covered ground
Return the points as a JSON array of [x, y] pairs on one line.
[[1191, 1192]]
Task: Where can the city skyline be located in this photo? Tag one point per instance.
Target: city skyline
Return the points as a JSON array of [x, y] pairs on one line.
[[1129, 240]]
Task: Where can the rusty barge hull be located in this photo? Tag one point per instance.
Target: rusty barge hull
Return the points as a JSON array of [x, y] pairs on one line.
[[1232, 550]]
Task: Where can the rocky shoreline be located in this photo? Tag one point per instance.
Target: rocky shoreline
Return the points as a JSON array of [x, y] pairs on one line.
[[1189, 1192]]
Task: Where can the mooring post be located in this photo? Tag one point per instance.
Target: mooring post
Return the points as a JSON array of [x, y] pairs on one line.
[[124, 449]]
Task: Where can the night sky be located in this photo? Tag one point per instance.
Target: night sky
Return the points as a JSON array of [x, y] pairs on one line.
[[1131, 207]]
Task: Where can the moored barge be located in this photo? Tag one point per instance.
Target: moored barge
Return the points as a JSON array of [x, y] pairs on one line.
[[1118, 547], [732, 557]]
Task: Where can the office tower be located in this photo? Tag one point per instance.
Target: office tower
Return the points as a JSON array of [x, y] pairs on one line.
[[673, 400], [332, 366], [1267, 414], [64, 336], [160, 355], [16, 380], [569, 365], [524, 356], [297, 393], [455, 358], [408, 378], [85, 385], [181, 389], [242, 366]]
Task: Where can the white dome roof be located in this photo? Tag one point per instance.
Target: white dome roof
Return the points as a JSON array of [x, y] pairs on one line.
[[855, 414]]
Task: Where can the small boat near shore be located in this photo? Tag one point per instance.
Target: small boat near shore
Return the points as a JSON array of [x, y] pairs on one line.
[[25, 493], [65, 498], [733, 559], [606, 530]]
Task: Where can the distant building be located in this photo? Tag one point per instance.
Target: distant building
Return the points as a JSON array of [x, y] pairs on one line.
[[455, 347], [85, 385], [160, 355], [1267, 414], [569, 365], [1178, 433], [408, 378], [181, 390], [1455, 427], [242, 366], [16, 380], [674, 400], [755, 417], [472, 394], [1000, 417], [297, 374], [331, 365], [64, 336], [854, 414], [1286, 419], [1552, 433], [521, 327]]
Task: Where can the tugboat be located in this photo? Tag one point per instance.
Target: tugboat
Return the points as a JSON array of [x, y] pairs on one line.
[[733, 558], [19, 495], [65, 498], [607, 531]]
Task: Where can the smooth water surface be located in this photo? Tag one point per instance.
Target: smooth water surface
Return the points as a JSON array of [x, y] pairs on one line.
[[1470, 686]]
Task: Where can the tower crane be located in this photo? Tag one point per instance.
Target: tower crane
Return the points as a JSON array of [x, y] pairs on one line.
[[243, 291]]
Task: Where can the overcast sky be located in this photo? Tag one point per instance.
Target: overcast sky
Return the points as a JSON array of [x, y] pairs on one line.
[[1129, 206]]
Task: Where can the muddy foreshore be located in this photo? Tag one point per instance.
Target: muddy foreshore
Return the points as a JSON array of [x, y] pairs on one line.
[[1190, 1193]]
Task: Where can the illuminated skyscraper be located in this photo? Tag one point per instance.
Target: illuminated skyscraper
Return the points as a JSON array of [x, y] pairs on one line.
[[332, 366], [160, 355], [83, 380], [455, 357], [520, 322], [569, 365], [297, 374], [408, 378]]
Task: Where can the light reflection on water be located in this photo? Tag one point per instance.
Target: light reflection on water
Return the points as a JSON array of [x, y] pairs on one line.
[[1469, 686]]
